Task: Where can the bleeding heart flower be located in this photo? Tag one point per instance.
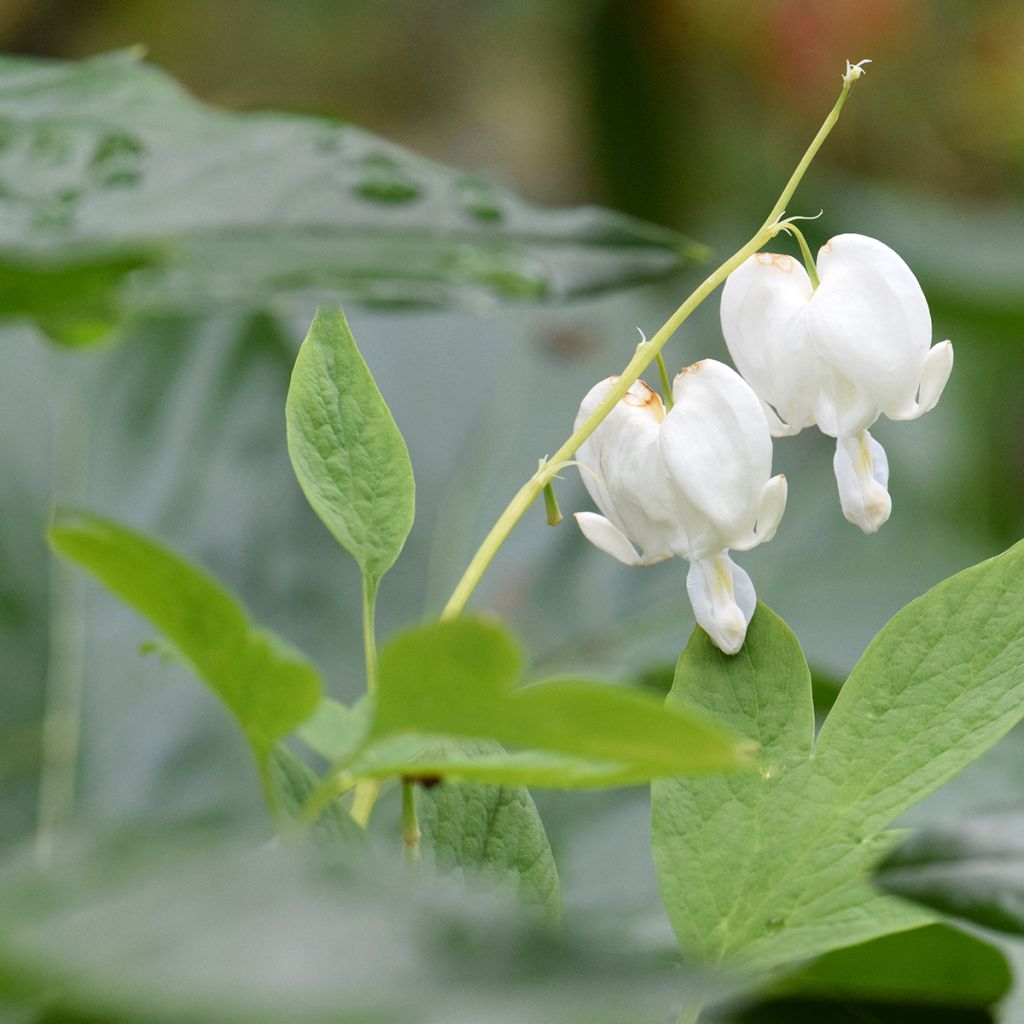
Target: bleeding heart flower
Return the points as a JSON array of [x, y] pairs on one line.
[[693, 483], [838, 355]]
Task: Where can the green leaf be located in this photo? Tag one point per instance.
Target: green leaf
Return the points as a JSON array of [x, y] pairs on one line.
[[494, 832], [113, 177], [346, 450], [293, 782], [936, 965], [458, 679], [763, 870], [749, 871], [335, 731], [970, 867], [269, 687]]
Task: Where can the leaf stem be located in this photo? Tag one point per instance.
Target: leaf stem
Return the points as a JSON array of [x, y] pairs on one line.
[[666, 382], [644, 355], [61, 724], [805, 252], [370, 632], [269, 790], [410, 826]]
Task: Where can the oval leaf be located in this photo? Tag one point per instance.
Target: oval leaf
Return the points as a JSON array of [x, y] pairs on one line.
[[346, 450]]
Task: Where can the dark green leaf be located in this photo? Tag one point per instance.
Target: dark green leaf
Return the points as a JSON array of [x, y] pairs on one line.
[[268, 687], [970, 867], [113, 178], [936, 965], [346, 450]]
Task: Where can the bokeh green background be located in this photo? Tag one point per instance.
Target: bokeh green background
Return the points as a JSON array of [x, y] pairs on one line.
[[689, 114]]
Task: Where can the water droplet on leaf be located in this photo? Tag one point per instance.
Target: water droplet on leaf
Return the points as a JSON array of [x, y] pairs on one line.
[[383, 180]]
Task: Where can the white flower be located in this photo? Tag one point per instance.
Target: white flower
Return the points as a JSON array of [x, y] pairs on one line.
[[692, 483], [838, 356]]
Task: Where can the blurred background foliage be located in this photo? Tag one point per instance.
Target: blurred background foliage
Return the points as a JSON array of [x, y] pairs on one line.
[[689, 114]]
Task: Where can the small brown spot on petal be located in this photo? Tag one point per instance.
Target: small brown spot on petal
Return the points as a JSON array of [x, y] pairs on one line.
[[776, 259]]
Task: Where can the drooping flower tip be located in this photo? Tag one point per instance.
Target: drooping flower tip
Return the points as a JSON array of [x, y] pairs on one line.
[[854, 71]]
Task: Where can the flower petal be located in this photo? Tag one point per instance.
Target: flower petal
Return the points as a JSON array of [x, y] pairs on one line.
[[723, 600], [769, 513], [869, 320], [938, 365], [604, 534], [764, 320], [862, 472], [717, 448]]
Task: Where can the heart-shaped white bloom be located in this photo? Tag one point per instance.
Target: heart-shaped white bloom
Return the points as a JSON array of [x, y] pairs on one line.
[[838, 356], [692, 483]]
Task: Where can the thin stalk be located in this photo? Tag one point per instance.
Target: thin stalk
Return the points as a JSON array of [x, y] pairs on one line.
[[644, 355], [61, 724], [269, 790], [410, 826], [365, 799], [805, 252], [370, 632], [666, 381]]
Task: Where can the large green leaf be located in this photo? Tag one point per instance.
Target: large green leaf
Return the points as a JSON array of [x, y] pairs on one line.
[[458, 679], [118, 183], [346, 450], [268, 686], [767, 869], [970, 867]]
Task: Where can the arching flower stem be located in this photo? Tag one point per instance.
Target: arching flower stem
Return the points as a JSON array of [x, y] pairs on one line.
[[646, 352]]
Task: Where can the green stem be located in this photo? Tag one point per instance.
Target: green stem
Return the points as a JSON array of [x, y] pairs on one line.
[[364, 801], [370, 632], [410, 826], [270, 797], [645, 353], [666, 382], [63, 701], [805, 251]]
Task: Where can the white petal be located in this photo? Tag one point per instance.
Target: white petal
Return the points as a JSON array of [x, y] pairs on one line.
[[769, 513], [717, 448], [869, 320], [938, 365], [588, 455], [764, 320], [609, 538], [862, 472], [723, 600], [616, 459]]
